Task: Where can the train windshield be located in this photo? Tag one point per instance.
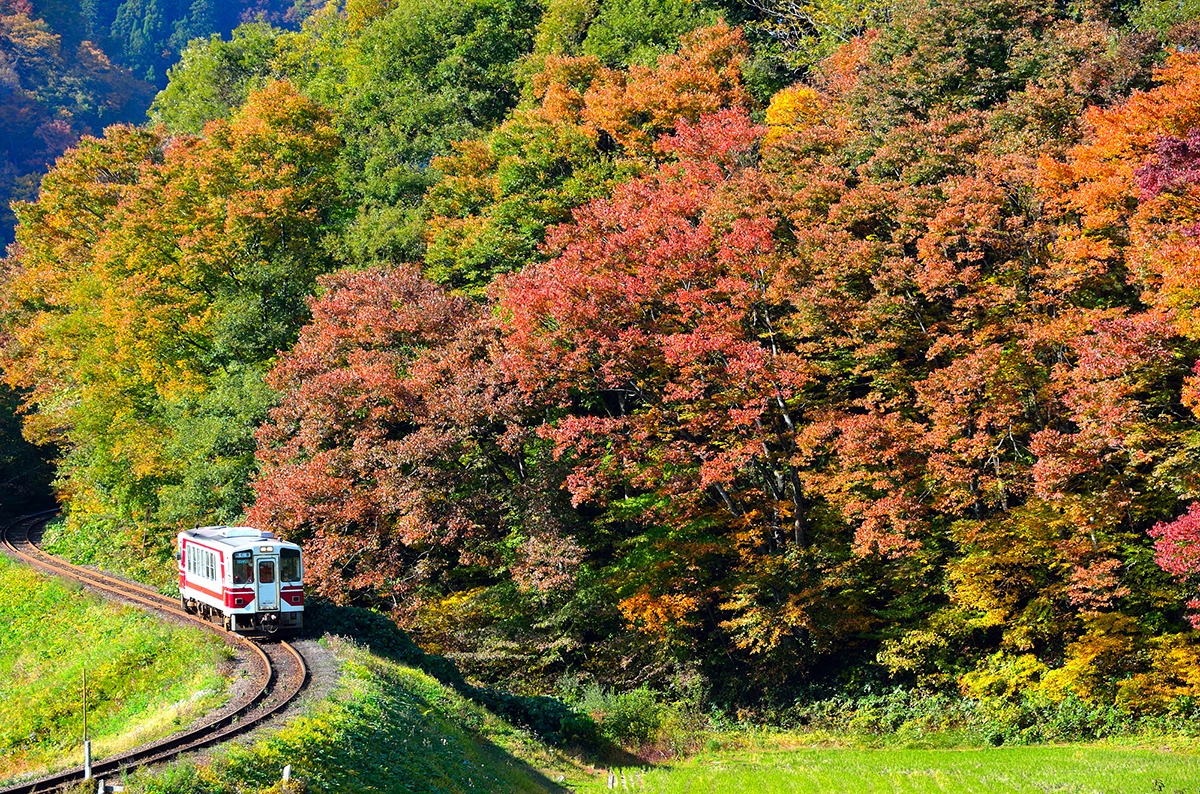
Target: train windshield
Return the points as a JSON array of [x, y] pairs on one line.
[[243, 568], [266, 572], [289, 565]]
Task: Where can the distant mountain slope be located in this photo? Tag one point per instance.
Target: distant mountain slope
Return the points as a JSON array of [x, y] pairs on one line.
[[70, 68], [146, 36]]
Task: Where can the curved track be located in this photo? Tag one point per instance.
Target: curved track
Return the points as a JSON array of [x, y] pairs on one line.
[[279, 669]]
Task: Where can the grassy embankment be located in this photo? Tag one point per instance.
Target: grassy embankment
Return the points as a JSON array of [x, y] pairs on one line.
[[107, 545], [387, 727], [146, 678]]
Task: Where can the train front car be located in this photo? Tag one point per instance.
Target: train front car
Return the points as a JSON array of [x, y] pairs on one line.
[[249, 578]]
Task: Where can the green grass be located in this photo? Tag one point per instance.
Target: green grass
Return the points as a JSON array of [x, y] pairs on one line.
[[386, 728], [146, 678], [105, 543], [1085, 769], [392, 728]]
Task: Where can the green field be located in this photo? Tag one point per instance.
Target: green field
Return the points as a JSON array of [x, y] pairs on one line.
[[146, 678], [1002, 770]]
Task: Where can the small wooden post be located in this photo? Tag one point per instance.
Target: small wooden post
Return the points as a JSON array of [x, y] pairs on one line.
[[87, 744]]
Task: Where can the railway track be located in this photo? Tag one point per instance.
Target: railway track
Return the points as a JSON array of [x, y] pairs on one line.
[[279, 669]]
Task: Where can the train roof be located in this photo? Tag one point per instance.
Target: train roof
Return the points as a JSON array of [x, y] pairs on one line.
[[233, 536]]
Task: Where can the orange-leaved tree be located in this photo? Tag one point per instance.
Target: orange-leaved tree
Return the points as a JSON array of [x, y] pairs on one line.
[[590, 127]]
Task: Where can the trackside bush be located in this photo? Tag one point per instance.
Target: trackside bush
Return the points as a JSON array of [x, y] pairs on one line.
[[1028, 717], [630, 719]]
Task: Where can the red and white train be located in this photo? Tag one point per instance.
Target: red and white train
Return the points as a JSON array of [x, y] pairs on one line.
[[251, 579]]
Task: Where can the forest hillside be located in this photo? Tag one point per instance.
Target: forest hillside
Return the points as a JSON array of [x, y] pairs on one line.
[[744, 352]]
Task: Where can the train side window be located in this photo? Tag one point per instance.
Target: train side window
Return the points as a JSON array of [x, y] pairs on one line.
[[210, 566], [243, 567], [289, 565], [266, 571]]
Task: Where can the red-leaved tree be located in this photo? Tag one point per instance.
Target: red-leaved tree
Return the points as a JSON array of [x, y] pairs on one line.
[[396, 452], [659, 329]]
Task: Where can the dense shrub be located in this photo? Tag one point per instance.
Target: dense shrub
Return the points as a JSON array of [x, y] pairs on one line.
[[546, 717]]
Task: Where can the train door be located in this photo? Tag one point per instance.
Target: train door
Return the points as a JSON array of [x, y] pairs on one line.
[[268, 584]]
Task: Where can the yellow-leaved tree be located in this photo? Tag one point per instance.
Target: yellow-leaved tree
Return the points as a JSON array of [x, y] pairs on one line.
[[151, 283]]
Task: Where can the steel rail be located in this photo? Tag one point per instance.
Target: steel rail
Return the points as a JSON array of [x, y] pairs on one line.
[[264, 701]]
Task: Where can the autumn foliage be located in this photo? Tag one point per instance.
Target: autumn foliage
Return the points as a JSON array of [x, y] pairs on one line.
[[389, 394], [148, 286], [887, 371]]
